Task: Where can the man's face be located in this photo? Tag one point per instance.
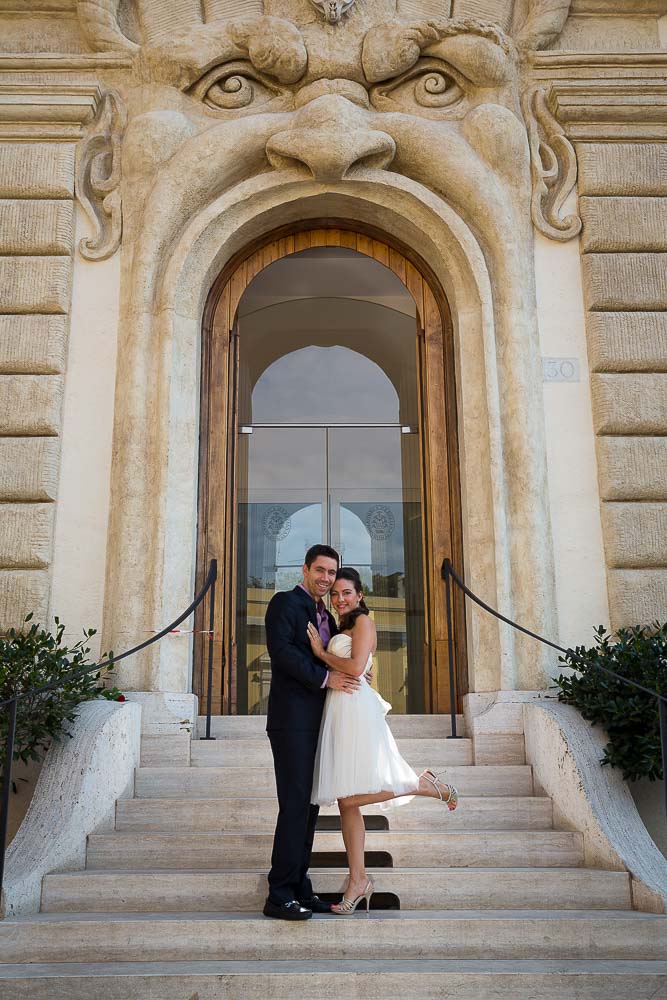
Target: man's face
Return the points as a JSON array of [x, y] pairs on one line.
[[318, 579]]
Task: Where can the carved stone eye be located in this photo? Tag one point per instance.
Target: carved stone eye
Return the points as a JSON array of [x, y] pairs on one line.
[[233, 86], [435, 89], [427, 84]]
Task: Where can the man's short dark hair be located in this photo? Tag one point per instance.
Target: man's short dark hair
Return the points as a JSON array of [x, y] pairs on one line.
[[320, 550]]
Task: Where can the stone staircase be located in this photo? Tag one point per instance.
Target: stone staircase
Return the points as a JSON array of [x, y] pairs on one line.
[[488, 902]]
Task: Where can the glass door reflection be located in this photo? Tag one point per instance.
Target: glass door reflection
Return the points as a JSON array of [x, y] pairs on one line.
[[356, 488]]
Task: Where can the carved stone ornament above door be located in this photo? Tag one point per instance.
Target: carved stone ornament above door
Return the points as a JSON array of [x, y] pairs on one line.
[[377, 83]]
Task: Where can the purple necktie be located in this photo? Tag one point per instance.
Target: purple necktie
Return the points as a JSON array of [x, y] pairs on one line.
[[323, 626]]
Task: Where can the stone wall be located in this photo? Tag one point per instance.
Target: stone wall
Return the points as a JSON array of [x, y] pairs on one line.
[[623, 205], [36, 244]]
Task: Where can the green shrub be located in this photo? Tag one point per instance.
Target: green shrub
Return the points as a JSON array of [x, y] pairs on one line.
[[629, 716], [30, 658]]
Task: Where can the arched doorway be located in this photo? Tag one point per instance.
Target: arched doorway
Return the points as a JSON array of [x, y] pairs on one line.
[[329, 414]]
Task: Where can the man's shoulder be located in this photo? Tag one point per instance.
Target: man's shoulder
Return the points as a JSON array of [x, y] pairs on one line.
[[284, 599]]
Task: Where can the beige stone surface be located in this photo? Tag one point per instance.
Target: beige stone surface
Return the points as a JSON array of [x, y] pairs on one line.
[[30, 404], [610, 34], [565, 753], [36, 226], [28, 469], [632, 468], [35, 284], [637, 596], [636, 534], [33, 345], [425, 889], [22, 591], [36, 170], [625, 281], [26, 531], [614, 225], [630, 404], [76, 795], [627, 341], [622, 168]]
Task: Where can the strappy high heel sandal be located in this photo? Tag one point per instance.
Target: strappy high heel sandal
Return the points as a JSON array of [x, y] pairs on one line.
[[348, 906], [452, 799]]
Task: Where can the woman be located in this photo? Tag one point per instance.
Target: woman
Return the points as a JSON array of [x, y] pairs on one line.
[[357, 760]]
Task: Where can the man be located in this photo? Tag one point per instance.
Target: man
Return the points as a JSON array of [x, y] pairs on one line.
[[296, 701]]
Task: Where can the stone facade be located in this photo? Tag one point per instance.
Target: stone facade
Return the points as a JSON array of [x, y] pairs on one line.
[[459, 128]]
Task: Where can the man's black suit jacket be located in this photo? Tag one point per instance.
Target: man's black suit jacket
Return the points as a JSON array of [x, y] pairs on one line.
[[296, 696]]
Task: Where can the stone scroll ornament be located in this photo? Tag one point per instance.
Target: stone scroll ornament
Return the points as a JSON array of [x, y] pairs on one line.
[[98, 178]]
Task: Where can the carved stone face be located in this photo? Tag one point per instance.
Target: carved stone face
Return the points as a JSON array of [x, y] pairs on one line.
[[436, 101]]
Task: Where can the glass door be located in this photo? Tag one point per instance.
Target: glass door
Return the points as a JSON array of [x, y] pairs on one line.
[[355, 487]]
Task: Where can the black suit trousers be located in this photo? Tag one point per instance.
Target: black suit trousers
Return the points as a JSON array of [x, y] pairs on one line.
[[293, 761]]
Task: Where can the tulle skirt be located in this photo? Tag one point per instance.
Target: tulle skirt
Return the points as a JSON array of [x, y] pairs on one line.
[[356, 751]]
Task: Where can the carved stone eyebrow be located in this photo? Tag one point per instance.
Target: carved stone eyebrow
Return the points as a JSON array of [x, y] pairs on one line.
[[480, 50], [273, 45]]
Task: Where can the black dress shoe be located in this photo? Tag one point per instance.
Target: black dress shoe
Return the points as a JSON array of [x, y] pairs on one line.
[[316, 904], [287, 911]]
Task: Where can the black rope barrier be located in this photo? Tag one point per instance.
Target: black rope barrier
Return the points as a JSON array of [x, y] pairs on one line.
[[11, 704], [448, 574]]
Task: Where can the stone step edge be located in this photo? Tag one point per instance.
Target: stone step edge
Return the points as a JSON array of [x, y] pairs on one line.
[[423, 916], [412, 967], [321, 834], [442, 870]]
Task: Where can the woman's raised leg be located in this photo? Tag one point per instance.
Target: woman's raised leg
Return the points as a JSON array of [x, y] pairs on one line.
[[354, 838]]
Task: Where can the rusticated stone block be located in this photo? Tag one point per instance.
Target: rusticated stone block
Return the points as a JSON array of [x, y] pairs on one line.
[[625, 281], [632, 468], [35, 284], [22, 591], [30, 404], [635, 535], [159, 18], [622, 168], [609, 34], [614, 225], [36, 170], [637, 596], [629, 404], [39, 227], [498, 11], [627, 341], [33, 345], [29, 469], [26, 535]]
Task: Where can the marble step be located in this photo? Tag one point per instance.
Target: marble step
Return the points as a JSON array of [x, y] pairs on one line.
[[422, 979], [386, 935], [425, 727], [259, 815], [420, 754], [259, 782], [415, 889], [485, 849]]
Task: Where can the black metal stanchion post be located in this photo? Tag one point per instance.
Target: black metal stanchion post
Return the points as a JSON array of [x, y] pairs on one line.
[[211, 627], [662, 710], [450, 646], [6, 786]]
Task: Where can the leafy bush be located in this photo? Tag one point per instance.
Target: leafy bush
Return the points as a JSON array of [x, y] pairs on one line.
[[629, 716], [31, 658]]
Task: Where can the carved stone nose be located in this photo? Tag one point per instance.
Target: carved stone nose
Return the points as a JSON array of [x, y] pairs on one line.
[[330, 135]]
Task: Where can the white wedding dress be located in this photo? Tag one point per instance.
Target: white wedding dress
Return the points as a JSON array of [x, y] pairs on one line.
[[356, 752]]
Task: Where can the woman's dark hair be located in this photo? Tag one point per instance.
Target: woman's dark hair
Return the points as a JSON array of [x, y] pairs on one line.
[[347, 621]]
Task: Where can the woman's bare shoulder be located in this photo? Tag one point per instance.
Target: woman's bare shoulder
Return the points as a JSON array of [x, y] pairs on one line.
[[364, 625]]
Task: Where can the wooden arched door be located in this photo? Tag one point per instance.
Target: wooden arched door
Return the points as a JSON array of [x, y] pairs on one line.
[[223, 465]]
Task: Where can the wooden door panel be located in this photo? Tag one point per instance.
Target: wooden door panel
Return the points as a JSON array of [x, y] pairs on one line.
[[441, 497]]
